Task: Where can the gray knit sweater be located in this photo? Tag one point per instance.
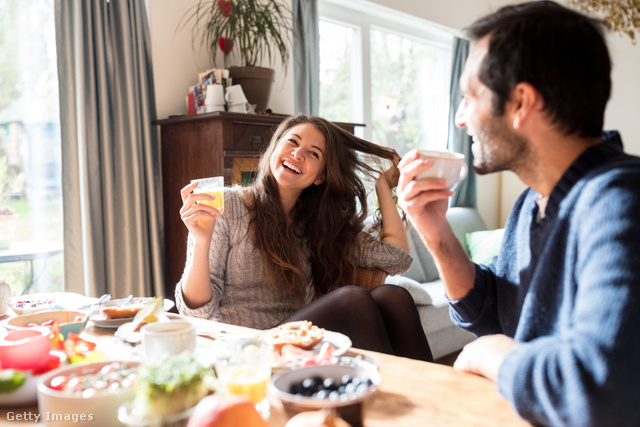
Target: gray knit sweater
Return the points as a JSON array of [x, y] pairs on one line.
[[237, 271]]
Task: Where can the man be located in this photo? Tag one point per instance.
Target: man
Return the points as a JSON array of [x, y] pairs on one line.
[[558, 312]]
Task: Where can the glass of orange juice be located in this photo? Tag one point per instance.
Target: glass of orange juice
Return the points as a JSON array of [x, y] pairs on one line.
[[248, 371], [213, 186]]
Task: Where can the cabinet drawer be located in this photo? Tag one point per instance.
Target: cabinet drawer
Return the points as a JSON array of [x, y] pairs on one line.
[[251, 137]]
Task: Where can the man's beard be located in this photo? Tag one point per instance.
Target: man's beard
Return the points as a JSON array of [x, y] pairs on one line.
[[498, 148]]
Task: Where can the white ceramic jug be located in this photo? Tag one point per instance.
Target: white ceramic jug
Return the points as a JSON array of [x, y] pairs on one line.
[[5, 296]]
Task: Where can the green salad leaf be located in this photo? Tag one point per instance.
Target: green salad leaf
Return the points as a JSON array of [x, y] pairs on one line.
[[11, 380]]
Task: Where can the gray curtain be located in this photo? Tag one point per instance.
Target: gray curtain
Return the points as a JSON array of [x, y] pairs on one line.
[[110, 156], [459, 141], [306, 55]]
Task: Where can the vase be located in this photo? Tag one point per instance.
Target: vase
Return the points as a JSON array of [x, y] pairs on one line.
[[256, 84]]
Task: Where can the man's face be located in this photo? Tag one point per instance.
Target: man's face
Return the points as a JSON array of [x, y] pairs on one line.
[[496, 146]]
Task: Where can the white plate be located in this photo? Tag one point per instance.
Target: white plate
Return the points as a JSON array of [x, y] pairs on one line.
[[340, 342], [126, 333], [100, 319]]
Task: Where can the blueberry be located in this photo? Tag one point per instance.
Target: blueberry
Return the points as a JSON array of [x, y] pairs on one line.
[[329, 384], [322, 394], [295, 388]]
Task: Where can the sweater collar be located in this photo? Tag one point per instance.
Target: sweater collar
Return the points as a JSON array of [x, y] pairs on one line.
[[610, 146]]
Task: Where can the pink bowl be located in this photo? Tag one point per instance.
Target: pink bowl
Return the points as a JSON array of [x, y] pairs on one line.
[[24, 349]]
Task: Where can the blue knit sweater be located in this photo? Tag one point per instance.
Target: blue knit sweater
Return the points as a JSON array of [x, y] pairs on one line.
[[568, 287]]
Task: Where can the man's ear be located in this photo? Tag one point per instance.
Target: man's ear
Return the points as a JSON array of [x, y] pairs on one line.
[[525, 100]]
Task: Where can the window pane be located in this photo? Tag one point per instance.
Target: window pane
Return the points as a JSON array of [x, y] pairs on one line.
[[30, 171], [409, 92], [340, 94]]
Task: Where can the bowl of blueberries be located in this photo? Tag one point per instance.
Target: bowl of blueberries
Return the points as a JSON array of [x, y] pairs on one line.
[[343, 388]]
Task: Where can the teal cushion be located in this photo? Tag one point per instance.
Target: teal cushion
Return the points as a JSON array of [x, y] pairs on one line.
[[483, 246]]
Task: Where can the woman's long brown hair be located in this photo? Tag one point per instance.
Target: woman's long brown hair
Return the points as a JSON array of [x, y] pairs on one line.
[[328, 217]]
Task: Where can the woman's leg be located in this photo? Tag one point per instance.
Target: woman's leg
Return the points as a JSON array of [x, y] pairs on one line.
[[402, 322], [384, 320], [351, 311]]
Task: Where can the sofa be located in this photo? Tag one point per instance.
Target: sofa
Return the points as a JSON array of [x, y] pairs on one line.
[[427, 289]]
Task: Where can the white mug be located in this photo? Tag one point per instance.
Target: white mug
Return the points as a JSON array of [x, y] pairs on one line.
[[174, 337], [213, 108], [446, 165], [214, 95], [235, 95], [240, 108]]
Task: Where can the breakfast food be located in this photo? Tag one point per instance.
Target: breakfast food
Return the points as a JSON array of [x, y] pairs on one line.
[[22, 306], [111, 378], [122, 312], [169, 385], [303, 334], [225, 411]]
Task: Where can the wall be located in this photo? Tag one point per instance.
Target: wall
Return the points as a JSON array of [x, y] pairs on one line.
[[176, 66], [177, 62]]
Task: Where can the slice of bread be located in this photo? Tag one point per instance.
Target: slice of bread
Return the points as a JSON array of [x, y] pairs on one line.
[[122, 312], [303, 334]]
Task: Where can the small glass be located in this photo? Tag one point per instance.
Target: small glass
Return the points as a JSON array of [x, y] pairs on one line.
[[248, 371], [213, 186]]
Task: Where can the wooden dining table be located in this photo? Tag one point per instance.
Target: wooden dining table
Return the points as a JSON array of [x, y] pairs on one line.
[[412, 393]]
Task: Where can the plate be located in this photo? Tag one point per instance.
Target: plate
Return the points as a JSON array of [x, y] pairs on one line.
[[126, 333], [340, 342], [101, 321]]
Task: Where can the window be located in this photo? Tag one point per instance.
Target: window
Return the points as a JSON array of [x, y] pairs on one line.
[[387, 70], [30, 152]]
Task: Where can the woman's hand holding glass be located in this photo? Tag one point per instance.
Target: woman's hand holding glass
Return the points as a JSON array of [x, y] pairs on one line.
[[199, 218]]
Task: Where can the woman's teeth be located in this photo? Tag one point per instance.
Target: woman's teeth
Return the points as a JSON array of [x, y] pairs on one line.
[[290, 166]]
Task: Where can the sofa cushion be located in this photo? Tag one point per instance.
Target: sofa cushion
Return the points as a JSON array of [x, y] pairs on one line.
[[462, 221], [483, 246], [417, 290]]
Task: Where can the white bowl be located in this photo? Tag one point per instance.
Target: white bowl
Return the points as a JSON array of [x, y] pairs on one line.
[[30, 304], [65, 318], [59, 409], [27, 393], [348, 406]]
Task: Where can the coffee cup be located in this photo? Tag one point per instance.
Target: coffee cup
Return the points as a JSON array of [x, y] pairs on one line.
[[446, 165], [234, 95], [160, 338], [213, 108], [214, 95], [240, 108]]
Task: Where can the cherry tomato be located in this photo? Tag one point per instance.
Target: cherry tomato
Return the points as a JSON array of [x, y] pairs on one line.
[[58, 383], [74, 384], [107, 369]]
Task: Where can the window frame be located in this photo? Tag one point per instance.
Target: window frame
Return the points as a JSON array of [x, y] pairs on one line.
[[367, 16]]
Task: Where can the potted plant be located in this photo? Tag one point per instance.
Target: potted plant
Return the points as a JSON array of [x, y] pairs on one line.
[[249, 31], [8, 215]]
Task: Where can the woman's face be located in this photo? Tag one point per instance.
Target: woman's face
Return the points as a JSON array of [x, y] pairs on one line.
[[299, 158]]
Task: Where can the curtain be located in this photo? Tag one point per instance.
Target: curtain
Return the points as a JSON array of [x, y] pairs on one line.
[[459, 141], [110, 154], [306, 54]]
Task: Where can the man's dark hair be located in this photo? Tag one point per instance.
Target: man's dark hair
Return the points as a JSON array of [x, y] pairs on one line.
[[560, 52]]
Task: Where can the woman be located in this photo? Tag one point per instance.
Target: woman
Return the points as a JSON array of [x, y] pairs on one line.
[[296, 236]]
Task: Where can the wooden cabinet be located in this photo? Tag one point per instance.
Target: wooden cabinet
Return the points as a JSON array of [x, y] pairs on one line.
[[213, 144]]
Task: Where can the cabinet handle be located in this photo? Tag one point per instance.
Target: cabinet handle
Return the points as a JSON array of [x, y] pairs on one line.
[[257, 141]]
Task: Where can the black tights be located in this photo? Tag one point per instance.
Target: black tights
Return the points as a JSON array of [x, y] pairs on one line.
[[384, 319]]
